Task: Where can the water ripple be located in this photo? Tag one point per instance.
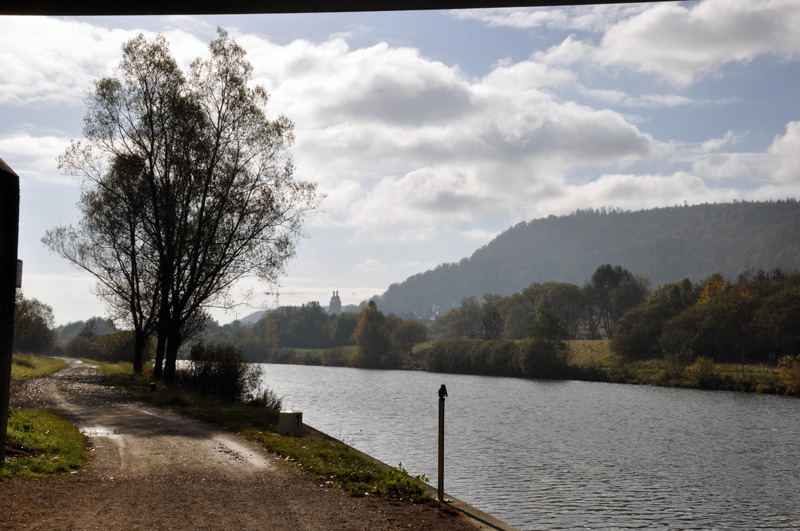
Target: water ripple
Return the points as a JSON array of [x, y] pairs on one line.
[[571, 455]]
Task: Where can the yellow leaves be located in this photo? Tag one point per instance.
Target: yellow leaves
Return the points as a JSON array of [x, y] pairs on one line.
[[789, 368], [714, 286]]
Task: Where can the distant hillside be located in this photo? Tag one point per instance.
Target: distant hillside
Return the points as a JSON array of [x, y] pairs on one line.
[[95, 325], [664, 244]]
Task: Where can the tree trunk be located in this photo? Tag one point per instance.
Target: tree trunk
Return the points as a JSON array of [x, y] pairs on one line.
[[173, 343], [139, 341], [160, 349], [9, 236]]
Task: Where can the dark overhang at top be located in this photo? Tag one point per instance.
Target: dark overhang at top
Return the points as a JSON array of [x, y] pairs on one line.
[[233, 7]]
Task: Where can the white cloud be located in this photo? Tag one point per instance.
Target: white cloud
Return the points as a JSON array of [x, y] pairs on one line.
[[636, 192], [786, 150], [615, 97], [681, 42], [34, 157], [480, 235], [524, 76], [779, 165], [568, 52], [678, 42], [58, 69], [329, 83], [715, 144], [386, 131], [394, 166], [595, 18], [49, 61], [370, 266]]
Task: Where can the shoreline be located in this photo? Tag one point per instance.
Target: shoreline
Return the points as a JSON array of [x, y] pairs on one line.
[[481, 519]]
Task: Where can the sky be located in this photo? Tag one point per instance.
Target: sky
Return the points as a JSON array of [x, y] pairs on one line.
[[432, 132]]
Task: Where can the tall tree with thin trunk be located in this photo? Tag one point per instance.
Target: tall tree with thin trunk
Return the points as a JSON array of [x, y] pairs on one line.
[[220, 199], [109, 244]]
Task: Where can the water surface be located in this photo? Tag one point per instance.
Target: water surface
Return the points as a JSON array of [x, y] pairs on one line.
[[570, 455]]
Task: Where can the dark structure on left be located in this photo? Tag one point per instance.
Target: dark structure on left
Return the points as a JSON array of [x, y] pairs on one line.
[[9, 236]]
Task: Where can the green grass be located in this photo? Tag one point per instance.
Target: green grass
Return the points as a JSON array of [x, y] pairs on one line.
[[587, 353], [598, 362], [42, 443], [332, 463], [24, 366]]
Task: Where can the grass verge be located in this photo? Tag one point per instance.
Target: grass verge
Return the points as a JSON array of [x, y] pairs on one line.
[[41, 443], [597, 361], [24, 366], [332, 463]]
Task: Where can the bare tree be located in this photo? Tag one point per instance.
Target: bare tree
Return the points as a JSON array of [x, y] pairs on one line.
[[220, 201], [109, 243]]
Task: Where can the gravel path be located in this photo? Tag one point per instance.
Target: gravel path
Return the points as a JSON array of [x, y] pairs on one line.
[[150, 469]]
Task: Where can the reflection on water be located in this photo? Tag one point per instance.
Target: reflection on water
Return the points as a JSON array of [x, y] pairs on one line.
[[567, 455]]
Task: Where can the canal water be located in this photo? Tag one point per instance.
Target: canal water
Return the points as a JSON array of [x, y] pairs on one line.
[[570, 455]]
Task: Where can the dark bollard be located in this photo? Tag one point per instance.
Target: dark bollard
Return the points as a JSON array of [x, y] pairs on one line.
[[442, 395]]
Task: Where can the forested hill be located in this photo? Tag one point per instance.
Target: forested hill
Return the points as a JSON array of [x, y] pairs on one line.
[[664, 244]]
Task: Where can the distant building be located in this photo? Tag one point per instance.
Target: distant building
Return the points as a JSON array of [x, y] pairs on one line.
[[336, 304]]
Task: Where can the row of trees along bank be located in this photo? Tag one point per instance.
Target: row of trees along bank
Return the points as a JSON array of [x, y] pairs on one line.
[[687, 327], [754, 319], [382, 341], [591, 311], [386, 341], [188, 187]]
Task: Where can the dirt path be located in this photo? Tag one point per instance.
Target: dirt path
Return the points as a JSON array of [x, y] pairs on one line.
[[153, 470]]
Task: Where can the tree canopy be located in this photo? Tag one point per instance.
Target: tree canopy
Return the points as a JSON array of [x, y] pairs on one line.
[[188, 188], [749, 319], [33, 325]]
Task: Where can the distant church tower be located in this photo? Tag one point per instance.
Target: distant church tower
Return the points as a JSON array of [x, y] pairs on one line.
[[336, 304]]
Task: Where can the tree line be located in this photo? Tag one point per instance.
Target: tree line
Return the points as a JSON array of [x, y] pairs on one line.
[[591, 311], [753, 319], [287, 334], [690, 326]]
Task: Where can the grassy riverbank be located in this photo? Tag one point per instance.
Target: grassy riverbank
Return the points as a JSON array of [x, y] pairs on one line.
[[588, 360], [332, 463], [594, 360]]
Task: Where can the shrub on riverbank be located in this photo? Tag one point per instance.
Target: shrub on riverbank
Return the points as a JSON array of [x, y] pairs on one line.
[[474, 356], [789, 367], [114, 347], [221, 370]]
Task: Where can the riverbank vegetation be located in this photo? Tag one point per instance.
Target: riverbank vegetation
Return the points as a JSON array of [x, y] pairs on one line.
[[333, 463], [741, 334]]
